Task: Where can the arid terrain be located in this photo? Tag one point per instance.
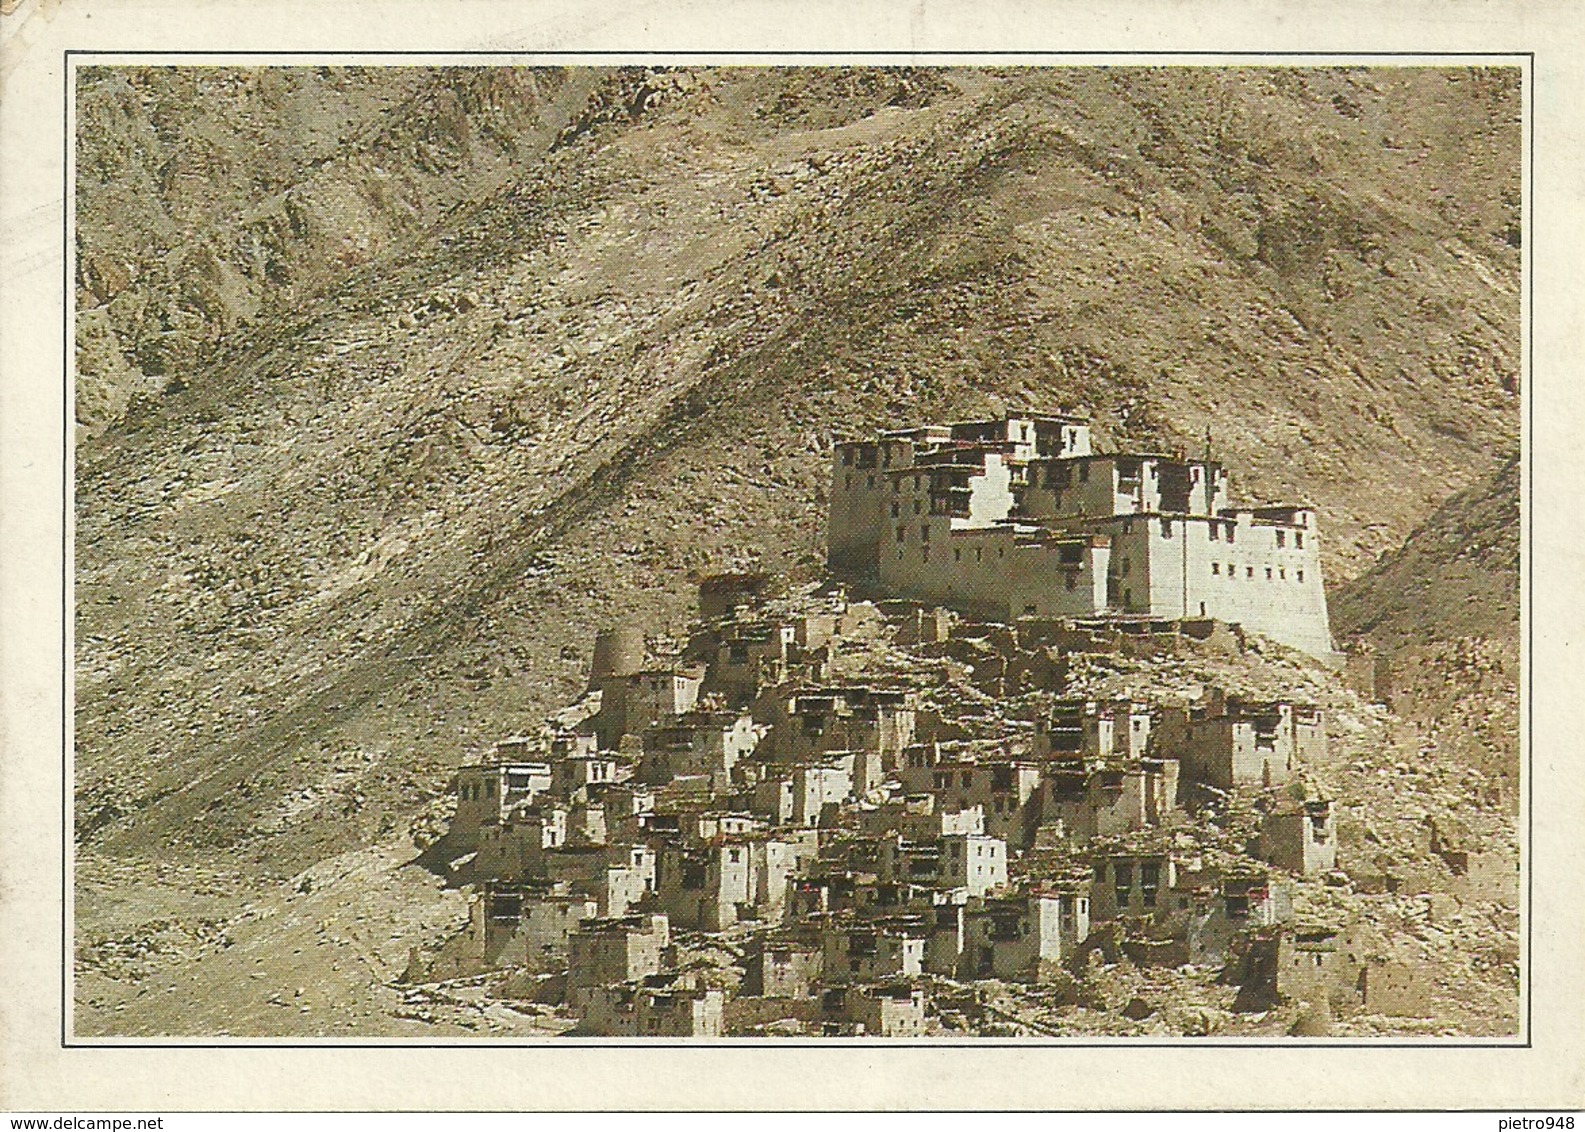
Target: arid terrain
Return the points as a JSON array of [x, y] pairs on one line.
[[393, 384]]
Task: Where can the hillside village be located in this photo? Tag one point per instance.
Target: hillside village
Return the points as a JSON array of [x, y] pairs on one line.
[[901, 803], [396, 386]]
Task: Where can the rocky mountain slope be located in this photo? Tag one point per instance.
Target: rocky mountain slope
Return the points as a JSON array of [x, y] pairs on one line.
[[1444, 610], [394, 384]]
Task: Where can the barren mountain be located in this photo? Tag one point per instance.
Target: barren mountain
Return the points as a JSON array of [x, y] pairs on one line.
[[1444, 608], [395, 383]]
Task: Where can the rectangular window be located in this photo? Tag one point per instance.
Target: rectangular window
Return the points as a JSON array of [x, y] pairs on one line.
[[847, 457], [1216, 532], [957, 555], [1232, 529], [1166, 528], [1084, 473], [895, 510], [1249, 571], [1216, 567], [872, 483], [924, 533], [902, 534], [847, 481], [1298, 539], [1301, 575], [1282, 573], [1268, 573], [1282, 538]]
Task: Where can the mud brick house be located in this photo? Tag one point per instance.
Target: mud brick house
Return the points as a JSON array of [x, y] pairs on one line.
[[712, 886], [661, 1006], [813, 722], [867, 951], [797, 794], [528, 924], [1316, 961], [487, 792], [631, 703], [1131, 882], [1086, 801], [963, 776], [782, 966], [1018, 517], [890, 1010], [1227, 741], [745, 658], [1300, 837], [1102, 730], [514, 846], [723, 595], [1023, 937], [705, 743], [615, 949], [974, 862]]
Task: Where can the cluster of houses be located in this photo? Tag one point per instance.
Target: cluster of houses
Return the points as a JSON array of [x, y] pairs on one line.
[[846, 849], [841, 848]]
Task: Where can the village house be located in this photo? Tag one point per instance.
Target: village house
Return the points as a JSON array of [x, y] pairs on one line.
[[1017, 517], [964, 776], [631, 703], [1207, 910], [659, 1006], [1300, 837], [615, 949], [1085, 801], [527, 924], [889, 1010], [487, 792], [798, 794], [703, 743], [1317, 961], [782, 966], [868, 951], [1227, 741], [1131, 882], [1094, 730], [573, 775], [713, 885], [745, 658], [513, 846], [1025, 936], [974, 862], [814, 722], [724, 595]]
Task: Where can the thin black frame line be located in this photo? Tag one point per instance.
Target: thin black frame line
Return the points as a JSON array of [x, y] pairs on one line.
[[1527, 651], [893, 53], [67, 666]]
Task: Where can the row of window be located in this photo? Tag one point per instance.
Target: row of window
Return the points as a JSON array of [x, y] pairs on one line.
[[1216, 529], [1249, 572]]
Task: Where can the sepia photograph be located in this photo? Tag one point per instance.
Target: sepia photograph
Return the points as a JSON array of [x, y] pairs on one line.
[[712, 552]]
